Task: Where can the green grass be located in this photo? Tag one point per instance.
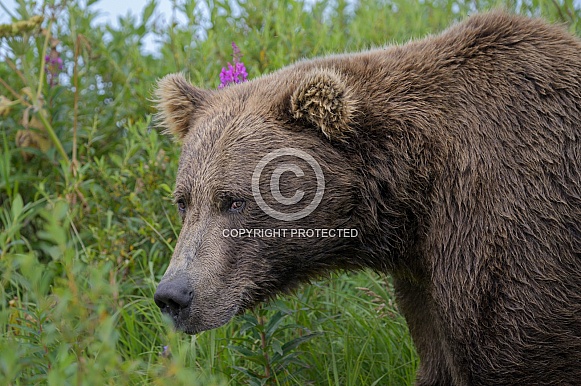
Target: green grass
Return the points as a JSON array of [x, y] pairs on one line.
[[87, 225]]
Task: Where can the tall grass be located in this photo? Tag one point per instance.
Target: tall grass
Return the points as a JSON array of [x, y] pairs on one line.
[[87, 223]]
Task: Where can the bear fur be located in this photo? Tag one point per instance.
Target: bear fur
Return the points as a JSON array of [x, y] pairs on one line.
[[458, 160]]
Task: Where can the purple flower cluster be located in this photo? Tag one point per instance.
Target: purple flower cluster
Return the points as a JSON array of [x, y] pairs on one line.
[[235, 73], [53, 66]]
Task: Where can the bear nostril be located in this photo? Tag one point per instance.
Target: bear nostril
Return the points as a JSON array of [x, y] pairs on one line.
[[173, 295]]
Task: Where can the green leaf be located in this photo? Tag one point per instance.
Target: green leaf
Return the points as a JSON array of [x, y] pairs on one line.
[[298, 341], [249, 373], [250, 355], [276, 347], [148, 11], [165, 188], [17, 206], [273, 324], [60, 210]]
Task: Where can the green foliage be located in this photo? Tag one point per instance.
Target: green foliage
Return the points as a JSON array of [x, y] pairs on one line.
[[87, 225], [263, 343]]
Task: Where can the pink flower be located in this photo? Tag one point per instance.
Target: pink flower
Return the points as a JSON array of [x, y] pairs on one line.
[[53, 65], [234, 73]]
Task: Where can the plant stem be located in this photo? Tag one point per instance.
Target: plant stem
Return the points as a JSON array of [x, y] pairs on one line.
[[57, 143], [264, 345], [76, 102], [14, 93], [54, 138], [43, 61]]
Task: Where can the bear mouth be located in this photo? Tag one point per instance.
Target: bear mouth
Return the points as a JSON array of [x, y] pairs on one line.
[[192, 322], [176, 316]]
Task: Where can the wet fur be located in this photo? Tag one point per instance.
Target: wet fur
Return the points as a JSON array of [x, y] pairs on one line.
[[458, 158]]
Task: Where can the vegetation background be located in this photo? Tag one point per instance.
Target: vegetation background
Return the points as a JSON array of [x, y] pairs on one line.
[[87, 224]]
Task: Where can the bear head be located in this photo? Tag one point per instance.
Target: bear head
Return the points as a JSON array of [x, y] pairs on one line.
[[266, 190]]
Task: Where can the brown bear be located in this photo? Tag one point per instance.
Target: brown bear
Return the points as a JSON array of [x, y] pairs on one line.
[[452, 163]]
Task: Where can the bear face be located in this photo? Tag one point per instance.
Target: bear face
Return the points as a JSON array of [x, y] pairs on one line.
[[233, 145]]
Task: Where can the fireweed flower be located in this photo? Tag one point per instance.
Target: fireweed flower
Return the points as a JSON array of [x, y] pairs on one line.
[[53, 65], [235, 73]]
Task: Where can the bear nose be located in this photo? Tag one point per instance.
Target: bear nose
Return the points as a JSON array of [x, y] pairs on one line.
[[173, 295]]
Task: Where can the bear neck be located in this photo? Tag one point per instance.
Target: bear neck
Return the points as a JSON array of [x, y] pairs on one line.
[[401, 153]]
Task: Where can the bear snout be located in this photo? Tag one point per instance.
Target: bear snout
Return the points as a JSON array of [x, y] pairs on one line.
[[173, 296]]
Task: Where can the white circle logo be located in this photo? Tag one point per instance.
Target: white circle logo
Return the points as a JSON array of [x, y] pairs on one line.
[[275, 184]]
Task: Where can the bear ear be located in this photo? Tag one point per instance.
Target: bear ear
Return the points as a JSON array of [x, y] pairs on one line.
[[323, 99], [176, 102]]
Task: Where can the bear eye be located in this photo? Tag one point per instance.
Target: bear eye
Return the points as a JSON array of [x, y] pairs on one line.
[[181, 205], [236, 205]]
